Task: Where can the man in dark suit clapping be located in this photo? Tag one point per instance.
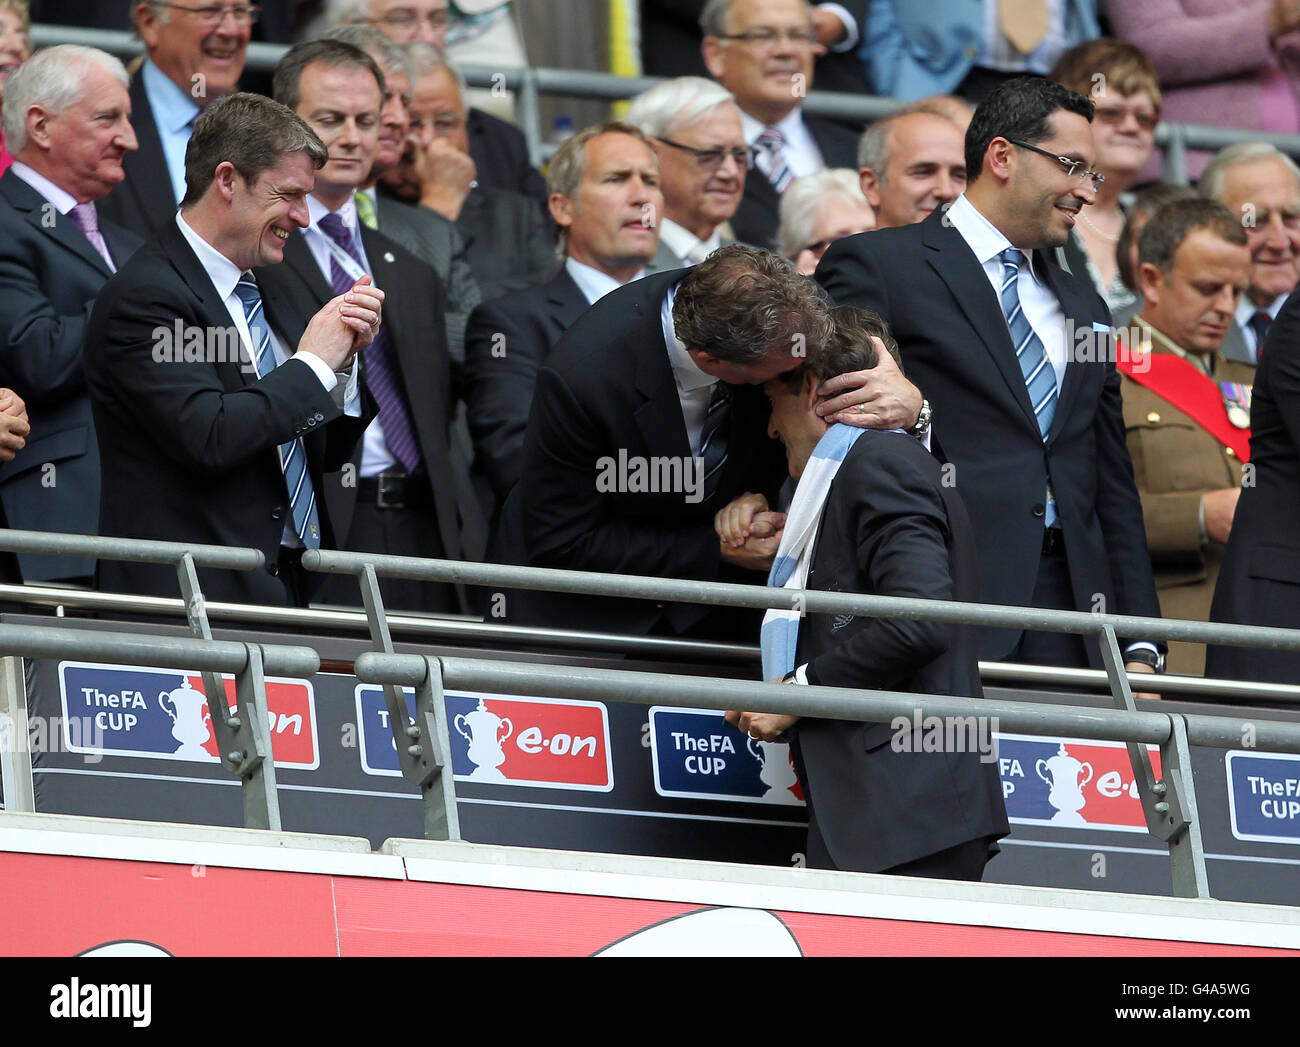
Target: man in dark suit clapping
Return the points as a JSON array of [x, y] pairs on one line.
[[212, 430]]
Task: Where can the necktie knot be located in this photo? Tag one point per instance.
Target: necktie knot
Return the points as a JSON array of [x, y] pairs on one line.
[[1259, 323], [332, 226], [366, 210], [247, 292], [771, 138], [86, 218], [1011, 259]]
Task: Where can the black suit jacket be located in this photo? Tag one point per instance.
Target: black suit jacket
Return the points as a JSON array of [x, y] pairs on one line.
[[500, 152], [414, 320], [926, 282], [891, 527], [758, 217], [510, 243], [606, 391], [1259, 582], [506, 342], [145, 202], [49, 277], [190, 450]]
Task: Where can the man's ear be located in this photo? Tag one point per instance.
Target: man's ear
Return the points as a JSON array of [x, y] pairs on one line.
[[225, 177], [1151, 281], [811, 383], [870, 182], [561, 208], [711, 52], [38, 126]]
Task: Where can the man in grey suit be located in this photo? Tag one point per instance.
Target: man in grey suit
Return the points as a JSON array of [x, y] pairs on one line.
[[54, 257], [695, 129], [1261, 187]]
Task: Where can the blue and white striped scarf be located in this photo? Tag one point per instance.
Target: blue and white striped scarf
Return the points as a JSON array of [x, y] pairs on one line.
[[780, 636]]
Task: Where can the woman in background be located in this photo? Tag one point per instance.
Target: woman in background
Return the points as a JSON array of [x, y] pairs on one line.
[[1122, 83]]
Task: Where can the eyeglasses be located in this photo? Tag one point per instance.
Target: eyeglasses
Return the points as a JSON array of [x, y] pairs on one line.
[[710, 159], [213, 15], [1074, 168], [766, 36], [1114, 115], [408, 20]]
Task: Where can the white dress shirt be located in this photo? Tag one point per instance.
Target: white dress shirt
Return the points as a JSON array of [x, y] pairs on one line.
[[694, 387], [593, 284], [685, 244]]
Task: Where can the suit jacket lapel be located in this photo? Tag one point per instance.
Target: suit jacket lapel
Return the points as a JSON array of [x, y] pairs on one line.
[[211, 306], [660, 416], [1074, 306], [147, 175], [957, 267], [42, 217], [566, 300]]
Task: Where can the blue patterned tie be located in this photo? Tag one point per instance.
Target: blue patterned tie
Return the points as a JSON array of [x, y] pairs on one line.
[[381, 371], [1039, 375], [713, 437], [293, 458], [779, 174]]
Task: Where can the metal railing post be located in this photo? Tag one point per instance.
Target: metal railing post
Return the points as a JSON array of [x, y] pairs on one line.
[[243, 737], [15, 746]]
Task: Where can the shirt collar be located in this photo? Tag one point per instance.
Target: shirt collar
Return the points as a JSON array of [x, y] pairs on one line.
[[593, 284], [682, 241], [981, 235], [62, 200], [223, 273], [173, 109], [791, 126], [1247, 308], [348, 212], [686, 373]]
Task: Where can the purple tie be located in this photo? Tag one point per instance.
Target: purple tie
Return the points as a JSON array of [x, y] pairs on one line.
[[381, 371], [88, 222]]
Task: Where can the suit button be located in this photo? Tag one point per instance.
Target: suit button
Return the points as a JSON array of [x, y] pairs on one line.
[[1038, 510], [277, 513], [320, 417], [273, 570], [1153, 417], [1230, 452]]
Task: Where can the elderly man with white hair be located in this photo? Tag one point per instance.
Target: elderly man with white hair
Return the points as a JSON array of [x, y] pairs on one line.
[[818, 210], [694, 126], [67, 118], [1261, 186]]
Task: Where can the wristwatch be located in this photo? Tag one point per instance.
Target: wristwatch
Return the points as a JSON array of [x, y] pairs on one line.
[[922, 427], [1145, 657]]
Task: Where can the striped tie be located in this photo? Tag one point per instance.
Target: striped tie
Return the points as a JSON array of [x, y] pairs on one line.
[[293, 459], [1260, 323], [713, 437], [381, 370], [1040, 376], [772, 142], [366, 210]]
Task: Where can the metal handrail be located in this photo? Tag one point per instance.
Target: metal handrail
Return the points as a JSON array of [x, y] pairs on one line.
[[528, 83]]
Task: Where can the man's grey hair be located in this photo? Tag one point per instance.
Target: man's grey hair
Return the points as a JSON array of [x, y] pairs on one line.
[[873, 146], [713, 19], [52, 78], [675, 104], [1211, 181], [426, 59], [801, 203], [367, 38], [161, 11], [345, 12]]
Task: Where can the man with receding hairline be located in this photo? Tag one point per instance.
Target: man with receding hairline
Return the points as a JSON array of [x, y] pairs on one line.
[[910, 165]]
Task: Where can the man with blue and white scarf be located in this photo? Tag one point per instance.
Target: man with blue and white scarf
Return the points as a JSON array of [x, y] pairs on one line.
[[872, 515]]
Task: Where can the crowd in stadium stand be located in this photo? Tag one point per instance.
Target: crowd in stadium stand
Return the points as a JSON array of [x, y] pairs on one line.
[[539, 359]]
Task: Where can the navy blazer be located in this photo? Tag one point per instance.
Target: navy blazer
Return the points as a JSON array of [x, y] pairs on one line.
[[927, 284], [891, 527], [190, 450], [49, 277]]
